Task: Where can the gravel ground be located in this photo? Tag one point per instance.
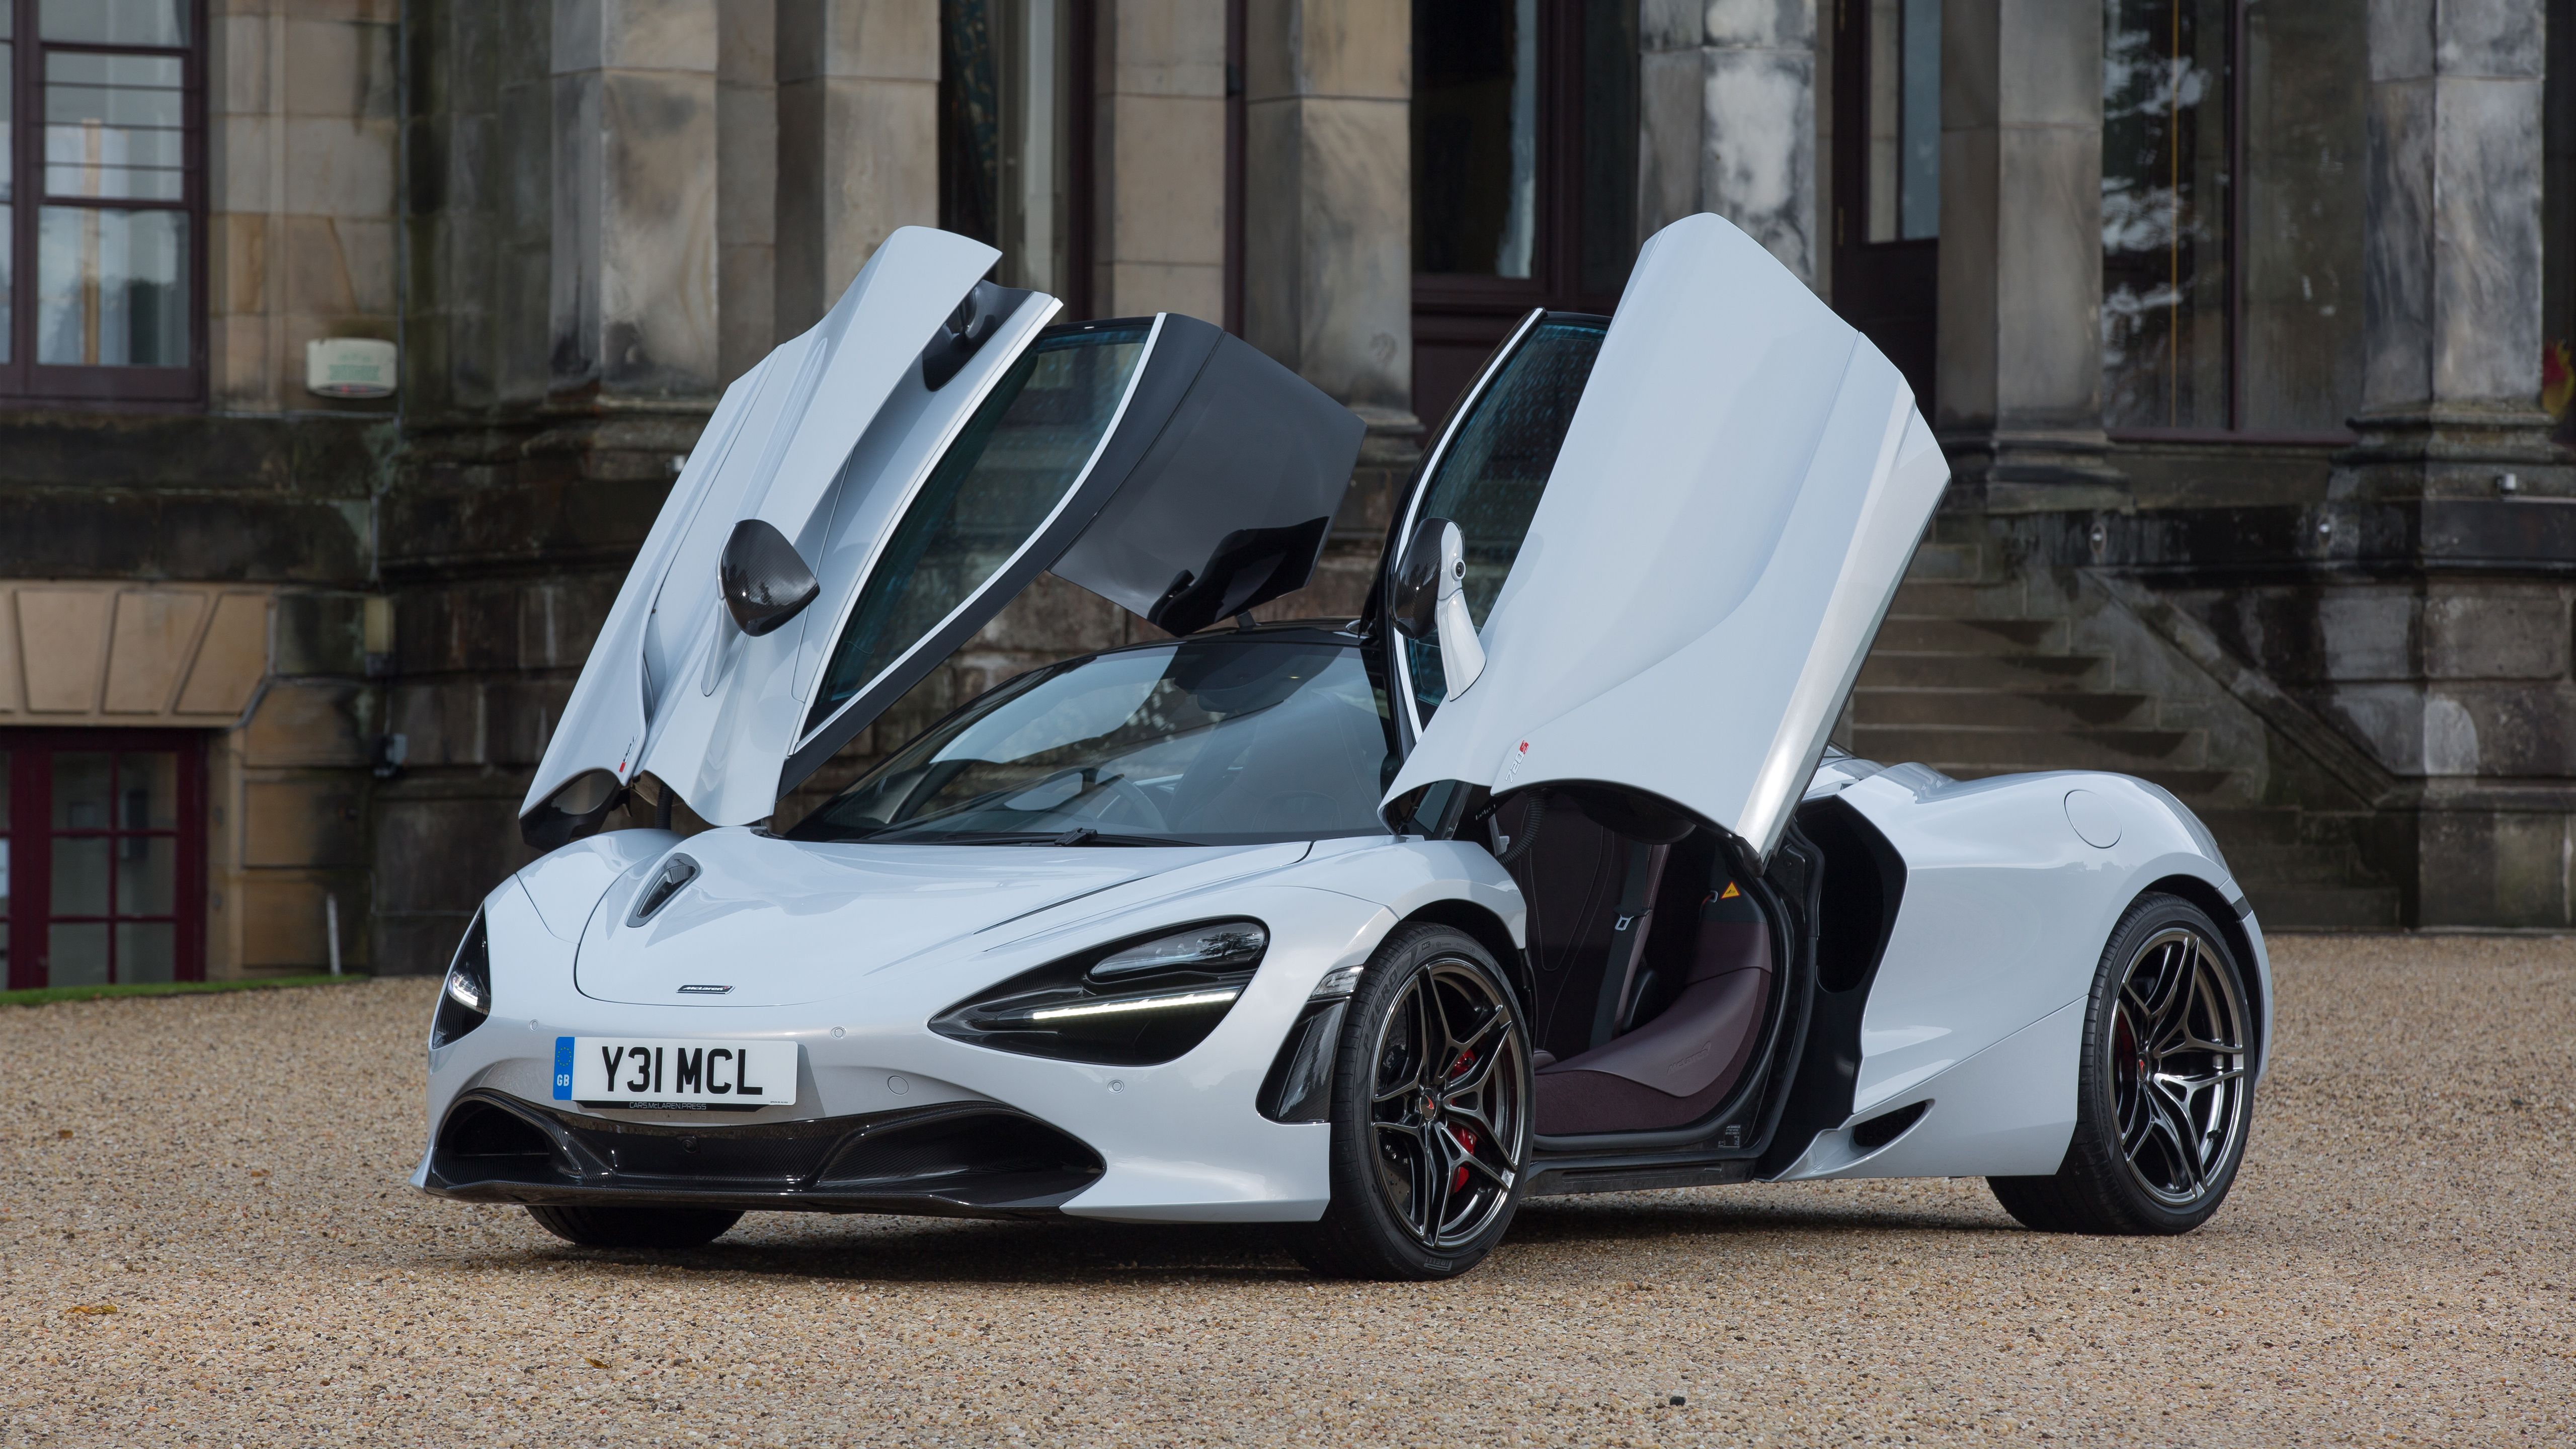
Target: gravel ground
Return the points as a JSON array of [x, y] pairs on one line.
[[204, 1238]]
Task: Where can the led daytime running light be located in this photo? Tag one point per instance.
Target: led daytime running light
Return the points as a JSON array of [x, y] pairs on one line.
[[1139, 1003], [462, 992]]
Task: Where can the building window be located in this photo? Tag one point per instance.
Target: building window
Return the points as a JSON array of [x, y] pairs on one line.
[[102, 186], [102, 857], [1012, 136], [1524, 125], [2232, 206]]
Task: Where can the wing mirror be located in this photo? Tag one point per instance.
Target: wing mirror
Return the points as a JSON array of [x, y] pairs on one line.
[[1431, 600], [765, 580]]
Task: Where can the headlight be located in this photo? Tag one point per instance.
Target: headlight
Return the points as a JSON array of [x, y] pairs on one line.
[[1130, 1004], [466, 1000]]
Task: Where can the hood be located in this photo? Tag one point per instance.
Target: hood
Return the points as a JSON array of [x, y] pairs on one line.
[[779, 922], [873, 493], [1726, 509]]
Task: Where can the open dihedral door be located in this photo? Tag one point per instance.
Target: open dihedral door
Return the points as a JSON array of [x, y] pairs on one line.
[[927, 450], [1736, 497]]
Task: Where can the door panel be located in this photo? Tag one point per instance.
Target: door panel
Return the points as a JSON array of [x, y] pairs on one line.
[[1736, 498]]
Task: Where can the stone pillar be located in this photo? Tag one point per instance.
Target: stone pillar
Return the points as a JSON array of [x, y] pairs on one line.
[[1328, 201], [746, 184], [2452, 277], [1727, 121], [634, 291], [1159, 159], [2020, 346], [858, 141]]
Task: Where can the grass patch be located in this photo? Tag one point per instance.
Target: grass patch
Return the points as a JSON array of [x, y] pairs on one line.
[[48, 995]]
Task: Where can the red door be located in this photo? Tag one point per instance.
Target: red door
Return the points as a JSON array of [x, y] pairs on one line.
[[102, 856]]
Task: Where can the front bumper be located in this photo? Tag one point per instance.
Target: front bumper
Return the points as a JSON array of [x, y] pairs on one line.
[[957, 1160]]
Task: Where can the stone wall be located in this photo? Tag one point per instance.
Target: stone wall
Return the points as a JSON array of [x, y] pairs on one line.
[[301, 174]]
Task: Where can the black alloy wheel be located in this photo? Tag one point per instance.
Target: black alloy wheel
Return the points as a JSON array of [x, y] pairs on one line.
[[2165, 1085], [1431, 1114], [636, 1227]]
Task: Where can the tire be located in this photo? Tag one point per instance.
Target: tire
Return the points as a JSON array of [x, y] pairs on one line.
[[2154, 1152], [635, 1227], [1428, 1165]]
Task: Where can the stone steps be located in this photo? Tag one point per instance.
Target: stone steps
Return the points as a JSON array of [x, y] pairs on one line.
[[2128, 751], [2012, 709], [1893, 669], [1916, 634], [1972, 676]]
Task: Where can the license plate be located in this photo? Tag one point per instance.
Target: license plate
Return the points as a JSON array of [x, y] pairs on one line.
[[645, 1072]]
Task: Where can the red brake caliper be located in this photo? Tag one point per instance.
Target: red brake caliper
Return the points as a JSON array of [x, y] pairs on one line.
[[1464, 1135]]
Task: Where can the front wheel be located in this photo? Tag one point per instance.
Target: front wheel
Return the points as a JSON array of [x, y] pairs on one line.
[[635, 1227], [1430, 1114], [2164, 1089]]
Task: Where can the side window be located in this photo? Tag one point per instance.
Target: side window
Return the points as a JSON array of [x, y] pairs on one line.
[[1493, 467], [1014, 461]]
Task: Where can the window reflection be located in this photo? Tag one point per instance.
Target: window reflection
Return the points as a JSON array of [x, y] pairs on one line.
[[2165, 344], [115, 126], [1225, 740], [115, 22], [111, 287], [1011, 465], [1004, 156], [1904, 168]]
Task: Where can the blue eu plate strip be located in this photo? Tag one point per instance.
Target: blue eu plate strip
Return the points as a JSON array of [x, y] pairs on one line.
[[563, 1069]]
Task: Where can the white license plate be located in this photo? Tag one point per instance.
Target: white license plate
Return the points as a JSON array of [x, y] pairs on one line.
[[648, 1072]]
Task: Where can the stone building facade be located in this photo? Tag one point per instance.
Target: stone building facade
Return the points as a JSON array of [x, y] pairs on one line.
[[2245, 325]]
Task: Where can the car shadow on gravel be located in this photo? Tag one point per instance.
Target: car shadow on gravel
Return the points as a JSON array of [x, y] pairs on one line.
[[930, 1250]]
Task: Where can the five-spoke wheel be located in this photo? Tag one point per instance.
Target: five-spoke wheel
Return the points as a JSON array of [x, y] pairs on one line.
[[1430, 1114], [2165, 1086]]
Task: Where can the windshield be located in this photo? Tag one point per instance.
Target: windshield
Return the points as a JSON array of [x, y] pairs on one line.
[[1222, 741]]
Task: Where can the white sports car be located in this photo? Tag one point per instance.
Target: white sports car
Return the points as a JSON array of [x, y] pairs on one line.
[[1537, 878]]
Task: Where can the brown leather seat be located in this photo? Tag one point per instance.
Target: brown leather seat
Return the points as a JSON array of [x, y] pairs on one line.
[[1676, 1068]]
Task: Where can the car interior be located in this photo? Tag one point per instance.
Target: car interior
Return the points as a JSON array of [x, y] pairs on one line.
[[1652, 967]]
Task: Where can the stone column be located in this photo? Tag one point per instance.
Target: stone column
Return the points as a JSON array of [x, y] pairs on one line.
[[1328, 247], [2020, 347], [746, 184], [634, 289], [858, 140], [1727, 121], [1159, 159], [2452, 257]]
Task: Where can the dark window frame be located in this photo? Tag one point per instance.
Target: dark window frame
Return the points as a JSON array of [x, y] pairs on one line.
[[1888, 290], [2232, 256], [1479, 312], [29, 823], [1079, 23], [25, 382]]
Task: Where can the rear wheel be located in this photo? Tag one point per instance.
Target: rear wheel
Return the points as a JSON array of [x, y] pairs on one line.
[[2164, 1087], [635, 1227], [1431, 1115]]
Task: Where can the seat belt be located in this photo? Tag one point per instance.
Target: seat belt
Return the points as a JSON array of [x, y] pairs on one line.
[[1628, 932]]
